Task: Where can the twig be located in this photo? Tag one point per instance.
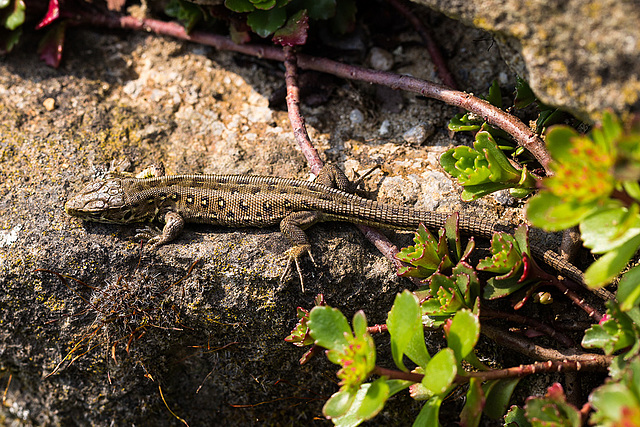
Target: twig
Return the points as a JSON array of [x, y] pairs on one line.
[[388, 249], [534, 324], [293, 109], [429, 42], [521, 133], [541, 353], [592, 312]]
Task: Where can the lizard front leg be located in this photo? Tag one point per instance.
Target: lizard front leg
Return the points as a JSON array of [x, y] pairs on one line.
[[174, 223], [293, 226]]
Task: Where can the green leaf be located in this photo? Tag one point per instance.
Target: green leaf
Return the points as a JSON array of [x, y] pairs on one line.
[[403, 322], [498, 394], [608, 228], [321, 9], [339, 403], [516, 418], [610, 264], [264, 4], [265, 22], [428, 415], [440, 371], [549, 212], [628, 294], [613, 333], [16, 17], [472, 410], [294, 33], [239, 6], [374, 399], [524, 94], [495, 96], [4, 3], [461, 123], [463, 333], [359, 323], [328, 326], [552, 409]]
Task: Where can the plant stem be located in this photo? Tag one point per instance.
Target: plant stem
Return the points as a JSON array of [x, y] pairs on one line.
[[527, 348], [521, 133], [293, 109], [534, 324]]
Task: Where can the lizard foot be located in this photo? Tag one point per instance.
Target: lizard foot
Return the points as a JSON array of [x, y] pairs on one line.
[[150, 235], [294, 254]]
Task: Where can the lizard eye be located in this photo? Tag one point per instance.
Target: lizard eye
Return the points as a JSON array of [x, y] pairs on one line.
[[127, 216]]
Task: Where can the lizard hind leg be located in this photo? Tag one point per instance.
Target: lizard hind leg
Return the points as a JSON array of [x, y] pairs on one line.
[[293, 227], [334, 177]]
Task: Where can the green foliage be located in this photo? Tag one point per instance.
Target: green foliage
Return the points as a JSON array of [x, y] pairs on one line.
[[510, 256], [186, 12], [547, 115], [595, 185], [617, 402], [287, 20], [616, 331], [485, 169], [552, 410], [12, 15], [355, 352]]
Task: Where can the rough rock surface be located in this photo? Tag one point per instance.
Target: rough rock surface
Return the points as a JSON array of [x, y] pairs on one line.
[[580, 55], [212, 344]]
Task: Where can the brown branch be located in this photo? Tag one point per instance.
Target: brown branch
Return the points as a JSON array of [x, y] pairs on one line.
[[522, 134], [532, 323], [293, 109], [595, 361], [592, 312], [429, 42]]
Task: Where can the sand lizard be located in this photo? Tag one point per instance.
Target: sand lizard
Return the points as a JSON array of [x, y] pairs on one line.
[[258, 201]]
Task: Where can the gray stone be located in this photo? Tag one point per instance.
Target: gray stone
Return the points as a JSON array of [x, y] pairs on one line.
[[580, 55]]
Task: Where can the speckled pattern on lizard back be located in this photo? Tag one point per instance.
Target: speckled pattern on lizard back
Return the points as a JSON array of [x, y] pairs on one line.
[[258, 201]]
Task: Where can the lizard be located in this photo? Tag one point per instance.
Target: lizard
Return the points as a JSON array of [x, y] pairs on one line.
[[262, 201]]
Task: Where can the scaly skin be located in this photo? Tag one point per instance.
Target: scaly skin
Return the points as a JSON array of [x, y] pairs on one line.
[[256, 201]]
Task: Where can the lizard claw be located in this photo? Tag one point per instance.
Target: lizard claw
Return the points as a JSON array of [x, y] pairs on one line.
[[148, 234], [294, 254]]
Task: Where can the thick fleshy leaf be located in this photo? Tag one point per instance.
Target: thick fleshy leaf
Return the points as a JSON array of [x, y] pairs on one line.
[[440, 371], [266, 22], [524, 94], [16, 17], [628, 294], [53, 13], [51, 45], [607, 229], [428, 415], [608, 266], [339, 403], [374, 399], [498, 394], [403, 322], [294, 33], [516, 418], [463, 333], [239, 6], [552, 409], [472, 410], [327, 326], [551, 213]]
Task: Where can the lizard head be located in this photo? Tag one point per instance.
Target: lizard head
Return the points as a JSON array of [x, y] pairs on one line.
[[101, 201]]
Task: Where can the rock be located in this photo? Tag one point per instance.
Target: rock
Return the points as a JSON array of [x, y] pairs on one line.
[[380, 59], [419, 133], [581, 55]]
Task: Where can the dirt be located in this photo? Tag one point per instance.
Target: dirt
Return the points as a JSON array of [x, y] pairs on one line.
[[211, 345]]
